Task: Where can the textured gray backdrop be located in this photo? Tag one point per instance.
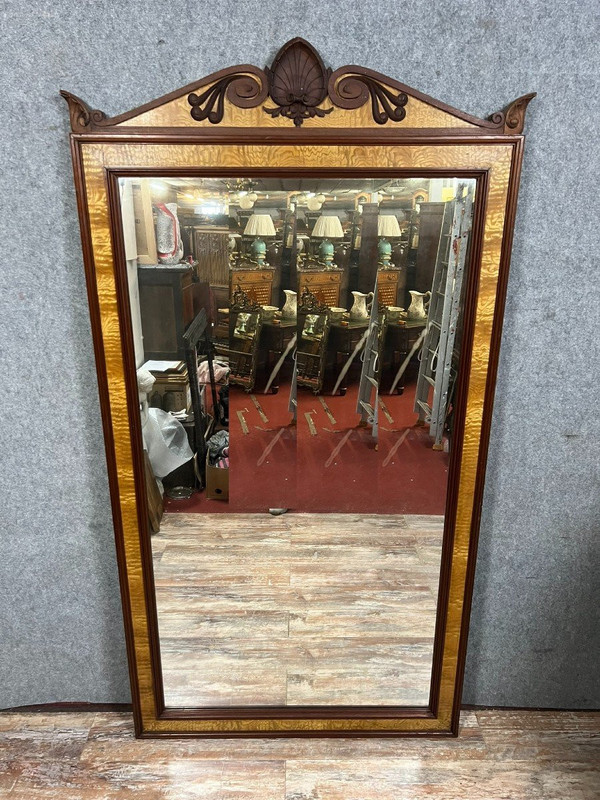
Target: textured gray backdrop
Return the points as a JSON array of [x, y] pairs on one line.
[[535, 608]]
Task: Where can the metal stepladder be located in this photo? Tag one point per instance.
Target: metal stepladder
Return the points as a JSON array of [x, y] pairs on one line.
[[368, 390], [436, 357], [293, 398]]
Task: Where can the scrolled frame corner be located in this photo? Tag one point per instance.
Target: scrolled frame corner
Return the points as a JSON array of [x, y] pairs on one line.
[[81, 116], [511, 119]]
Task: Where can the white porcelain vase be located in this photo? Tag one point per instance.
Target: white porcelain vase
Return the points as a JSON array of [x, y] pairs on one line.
[[290, 307], [418, 305], [361, 306]]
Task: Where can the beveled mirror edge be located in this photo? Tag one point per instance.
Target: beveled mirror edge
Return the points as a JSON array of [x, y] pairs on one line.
[[185, 726]]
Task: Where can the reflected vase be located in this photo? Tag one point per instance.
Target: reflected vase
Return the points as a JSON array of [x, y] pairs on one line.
[[361, 306], [169, 244], [418, 305], [290, 307]]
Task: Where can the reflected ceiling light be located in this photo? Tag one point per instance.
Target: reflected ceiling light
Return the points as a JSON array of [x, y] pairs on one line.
[[210, 209], [246, 201], [314, 204], [158, 186]]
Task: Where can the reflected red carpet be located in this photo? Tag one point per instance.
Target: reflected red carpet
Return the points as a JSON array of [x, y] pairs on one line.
[[263, 461], [277, 464]]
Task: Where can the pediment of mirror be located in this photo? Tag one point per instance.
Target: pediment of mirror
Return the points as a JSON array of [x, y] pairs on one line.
[[296, 92]]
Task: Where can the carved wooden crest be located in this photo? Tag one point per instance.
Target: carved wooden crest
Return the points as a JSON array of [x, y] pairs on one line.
[[299, 88], [297, 82]]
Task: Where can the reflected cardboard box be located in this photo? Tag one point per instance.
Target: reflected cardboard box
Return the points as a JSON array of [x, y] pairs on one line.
[[217, 482]]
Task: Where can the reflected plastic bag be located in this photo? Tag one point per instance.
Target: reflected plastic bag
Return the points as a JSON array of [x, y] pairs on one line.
[[166, 441]]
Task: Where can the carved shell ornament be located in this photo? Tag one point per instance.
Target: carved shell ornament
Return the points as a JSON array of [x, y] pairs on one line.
[[298, 83], [299, 88]]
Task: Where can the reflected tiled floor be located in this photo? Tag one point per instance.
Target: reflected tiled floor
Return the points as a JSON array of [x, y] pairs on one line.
[[301, 609], [499, 755]]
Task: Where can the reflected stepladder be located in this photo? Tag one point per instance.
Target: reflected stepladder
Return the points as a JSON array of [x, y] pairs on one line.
[[297, 344]]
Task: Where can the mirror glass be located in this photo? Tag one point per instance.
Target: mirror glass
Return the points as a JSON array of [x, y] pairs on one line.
[[297, 345]]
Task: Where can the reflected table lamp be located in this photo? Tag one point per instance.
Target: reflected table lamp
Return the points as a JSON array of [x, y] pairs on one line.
[[326, 228], [259, 225], [387, 226]]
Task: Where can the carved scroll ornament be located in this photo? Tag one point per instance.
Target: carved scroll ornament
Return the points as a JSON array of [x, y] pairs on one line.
[[243, 89], [354, 89]]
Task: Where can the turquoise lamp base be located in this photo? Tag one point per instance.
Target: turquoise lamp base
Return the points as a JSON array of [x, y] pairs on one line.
[[258, 251], [326, 252], [384, 250]]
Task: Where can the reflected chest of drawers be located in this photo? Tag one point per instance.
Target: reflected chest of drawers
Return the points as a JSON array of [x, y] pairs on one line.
[[324, 284], [256, 283], [166, 309], [387, 286]]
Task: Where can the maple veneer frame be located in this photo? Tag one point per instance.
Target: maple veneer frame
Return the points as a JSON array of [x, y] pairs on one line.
[[380, 128]]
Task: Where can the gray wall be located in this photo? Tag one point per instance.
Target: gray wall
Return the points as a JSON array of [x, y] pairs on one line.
[[534, 615]]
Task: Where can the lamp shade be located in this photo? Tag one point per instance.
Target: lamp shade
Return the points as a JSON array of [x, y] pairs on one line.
[[387, 225], [328, 228], [260, 225]]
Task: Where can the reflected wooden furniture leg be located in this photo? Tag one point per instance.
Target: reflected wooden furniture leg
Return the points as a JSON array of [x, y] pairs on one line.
[[155, 501]]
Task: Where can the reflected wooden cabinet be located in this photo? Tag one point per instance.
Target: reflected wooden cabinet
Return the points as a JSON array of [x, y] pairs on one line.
[[212, 254], [324, 284], [256, 283], [166, 309], [387, 286], [145, 236]]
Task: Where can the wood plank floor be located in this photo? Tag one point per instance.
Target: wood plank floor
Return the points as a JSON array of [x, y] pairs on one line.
[[500, 755], [300, 609]]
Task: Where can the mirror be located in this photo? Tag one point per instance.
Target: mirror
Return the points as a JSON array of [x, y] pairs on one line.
[[296, 281], [301, 446]]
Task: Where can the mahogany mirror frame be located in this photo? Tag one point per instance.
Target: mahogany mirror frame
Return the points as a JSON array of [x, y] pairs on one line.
[[244, 121]]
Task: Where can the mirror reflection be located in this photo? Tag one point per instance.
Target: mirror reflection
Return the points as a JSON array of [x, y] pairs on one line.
[[297, 346]]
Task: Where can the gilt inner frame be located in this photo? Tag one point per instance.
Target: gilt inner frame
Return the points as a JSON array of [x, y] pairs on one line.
[[99, 162]]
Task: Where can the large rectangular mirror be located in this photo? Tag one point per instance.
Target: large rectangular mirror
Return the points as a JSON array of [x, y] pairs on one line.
[[296, 333], [297, 347]]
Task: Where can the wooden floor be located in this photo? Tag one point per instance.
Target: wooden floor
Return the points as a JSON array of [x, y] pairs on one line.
[[500, 755], [300, 609]]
